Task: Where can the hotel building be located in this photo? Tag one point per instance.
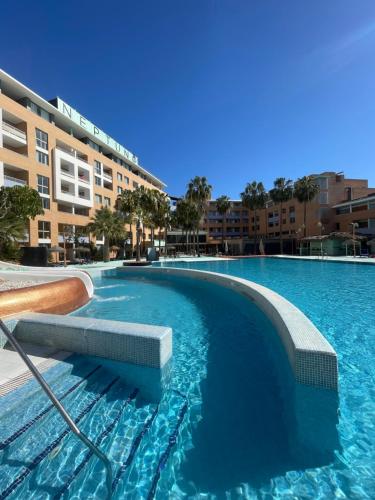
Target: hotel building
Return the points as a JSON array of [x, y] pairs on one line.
[[340, 202], [72, 163]]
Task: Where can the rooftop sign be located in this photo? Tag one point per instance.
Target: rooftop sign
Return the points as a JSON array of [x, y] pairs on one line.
[[93, 130]]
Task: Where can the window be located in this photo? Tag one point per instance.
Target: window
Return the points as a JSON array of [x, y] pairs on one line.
[[119, 190], [126, 180], [119, 177], [98, 199], [98, 181], [362, 223], [42, 157], [43, 184], [44, 230], [322, 182], [323, 198], [92, 144], [39, 111], [337, 226], [371, 205], [291, 209], [45, 203], [371, 223], [107, 201], [342, 210], [81, 211], [98, 167], [292, 220], [41, 139], [135, 184]]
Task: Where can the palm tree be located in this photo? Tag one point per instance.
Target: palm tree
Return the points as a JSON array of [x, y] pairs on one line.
[[199, 193], [305, 190], [125, 204], [187, 217], [254, 198], [141, 210], [108, 224], [159, 211], [222, 206], [281, 192]]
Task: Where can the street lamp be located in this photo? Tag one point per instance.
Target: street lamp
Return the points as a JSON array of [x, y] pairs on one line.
[[321, 228], [354, 226]]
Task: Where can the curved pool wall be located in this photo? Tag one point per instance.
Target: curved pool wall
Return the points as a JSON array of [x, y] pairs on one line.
[[311, 357], [310, 409]]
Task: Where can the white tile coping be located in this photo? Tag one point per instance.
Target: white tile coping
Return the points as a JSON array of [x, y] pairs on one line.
[[135, 343], [311, 356], [43, 274]]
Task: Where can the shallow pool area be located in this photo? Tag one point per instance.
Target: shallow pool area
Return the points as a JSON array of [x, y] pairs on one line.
[[338, 298]]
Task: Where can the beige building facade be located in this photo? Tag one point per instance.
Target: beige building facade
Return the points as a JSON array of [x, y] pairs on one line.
[[323, 217], [72, 163]]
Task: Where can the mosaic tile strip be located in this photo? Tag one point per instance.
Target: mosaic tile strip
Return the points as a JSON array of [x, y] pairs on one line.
[[145, 345], [164, 457], [133, 450], [98, 442]]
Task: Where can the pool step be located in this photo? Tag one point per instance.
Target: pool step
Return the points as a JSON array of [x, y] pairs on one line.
[[21, 458], [23, 399], [32, 421], [43, 459]]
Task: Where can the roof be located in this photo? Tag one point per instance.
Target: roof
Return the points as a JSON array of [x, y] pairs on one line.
[[336, 235], [369, 197], [18, 91]]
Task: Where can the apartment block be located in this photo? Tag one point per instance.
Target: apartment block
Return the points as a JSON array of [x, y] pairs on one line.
[[239, 224], [74, 165], [361, 212]]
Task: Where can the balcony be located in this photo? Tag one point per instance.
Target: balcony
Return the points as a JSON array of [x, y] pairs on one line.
[[13, 181], [71, 152], [107, 176], [13, 136], [83, 175]]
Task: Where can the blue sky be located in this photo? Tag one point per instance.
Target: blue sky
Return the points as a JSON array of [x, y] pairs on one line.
[[233, 90]]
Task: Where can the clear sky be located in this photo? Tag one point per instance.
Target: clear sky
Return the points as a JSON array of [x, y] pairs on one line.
[[236, 90]]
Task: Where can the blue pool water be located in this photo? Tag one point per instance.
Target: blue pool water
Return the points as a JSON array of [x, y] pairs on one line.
[[221, 429]]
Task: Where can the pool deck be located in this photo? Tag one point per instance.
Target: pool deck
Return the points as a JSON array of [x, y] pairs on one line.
[[13, 371], [346, 260]]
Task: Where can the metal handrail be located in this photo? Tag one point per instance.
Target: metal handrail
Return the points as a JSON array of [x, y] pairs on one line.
[[59, 407]]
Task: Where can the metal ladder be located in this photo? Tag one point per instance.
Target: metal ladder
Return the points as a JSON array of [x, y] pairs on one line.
[[59, 407]]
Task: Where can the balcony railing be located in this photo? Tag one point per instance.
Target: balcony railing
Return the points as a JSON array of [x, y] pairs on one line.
[[13, 181], [83, 178], [67, 172], [72, 152], [20, 134], [108, 177]]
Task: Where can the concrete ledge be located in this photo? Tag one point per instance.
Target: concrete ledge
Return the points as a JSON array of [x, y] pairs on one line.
[[139, 344], [311, 357]]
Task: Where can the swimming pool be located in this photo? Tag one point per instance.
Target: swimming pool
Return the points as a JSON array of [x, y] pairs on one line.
[[221, 429], [339, 299]]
